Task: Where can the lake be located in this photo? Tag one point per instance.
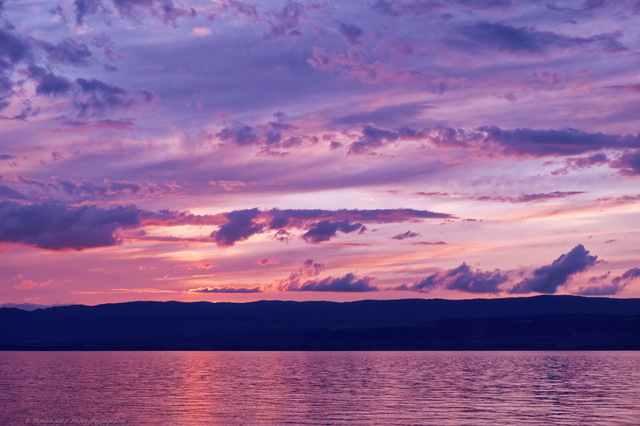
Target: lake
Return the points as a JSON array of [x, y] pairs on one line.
[[432, 388]]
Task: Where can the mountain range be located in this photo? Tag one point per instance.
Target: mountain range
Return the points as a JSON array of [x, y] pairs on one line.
[[523, 323]]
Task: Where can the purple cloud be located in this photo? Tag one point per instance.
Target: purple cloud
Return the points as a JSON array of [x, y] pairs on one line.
[[166, 10], [74, 191], [285, 20], [581, 163], [388, 115], [12, 50], [351, 32], [626, 87], [298, 218], [616, 285], [554, 142], [325, 230], [227, 289], [396, 8], [507, 38], [547, 279], [347, 283], [523, 141], [55, 226], [240, 226], [462, 278], [373, 138], [86, 7], [68, 51], [601, 290], [10, 193], [531, 198], [628, 163], [406, 235], [239, 134], [100, 96], [236, 7], [48, 83], [523, 40], [629, 275], [302, 280]]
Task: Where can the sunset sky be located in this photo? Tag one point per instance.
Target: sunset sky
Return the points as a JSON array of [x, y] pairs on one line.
[[229, 150]]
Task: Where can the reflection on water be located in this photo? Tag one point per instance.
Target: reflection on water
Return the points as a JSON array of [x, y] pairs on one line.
[[185, 388]]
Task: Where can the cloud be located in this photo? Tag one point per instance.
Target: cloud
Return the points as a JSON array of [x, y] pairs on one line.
[[226, 289], [10, 193], [268, 261], [196, 265], [629, 275], [272, 138], [300, 217], [167, 11], [202, 31], [581, 163], [320, 225], [325, 230], [387, 115], [284, 21], [554, 142], [615, 286], [602, 290], [96, 97], [523, 40], [351, 32], [626, 87], [406, 235], [86, 7], [82, 125], [520, 141], [12, 50], [531, 198], [239, 134], [462, 278], [396, 8], [68, 51], [89, 191], [58, 227], [141, 290], [373, 138], [628, 163], [506, 38], [101, 96], [48, 83], [302, 280], [29, 284], [236, 8], [547, 279], [347, 283], [308, 269], [357, 65], [240, 226]]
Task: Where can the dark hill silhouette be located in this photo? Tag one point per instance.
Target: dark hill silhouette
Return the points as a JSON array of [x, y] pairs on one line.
[[541, 322]]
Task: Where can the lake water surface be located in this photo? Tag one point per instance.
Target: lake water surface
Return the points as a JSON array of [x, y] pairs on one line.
[[434, 388]]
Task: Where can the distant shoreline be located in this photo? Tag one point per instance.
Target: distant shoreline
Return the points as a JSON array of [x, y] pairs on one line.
[[540, 323]]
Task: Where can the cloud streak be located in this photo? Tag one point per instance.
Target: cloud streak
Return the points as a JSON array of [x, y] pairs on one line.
[[463, 278]]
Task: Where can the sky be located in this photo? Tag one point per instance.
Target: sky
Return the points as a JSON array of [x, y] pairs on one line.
[[230, 150]]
